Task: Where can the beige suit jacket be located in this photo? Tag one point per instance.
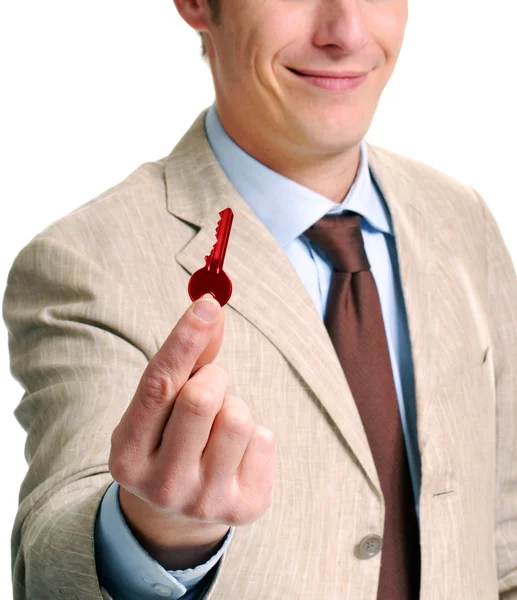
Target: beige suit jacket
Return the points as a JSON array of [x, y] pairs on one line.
[[92, 297]]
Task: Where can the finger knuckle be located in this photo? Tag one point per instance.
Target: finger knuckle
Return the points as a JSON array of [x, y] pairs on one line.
[[174, 482], [157, 385], [198, 400], [237, 423], [121, 469], [124, 461], [162, 498], [201, 509], [165, 495], [264, 438], [242, 513], [211, 501]]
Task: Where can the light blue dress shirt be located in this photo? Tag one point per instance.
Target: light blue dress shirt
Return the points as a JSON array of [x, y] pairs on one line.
[[287, 209]]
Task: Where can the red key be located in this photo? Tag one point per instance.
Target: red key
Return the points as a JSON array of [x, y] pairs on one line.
[[211, 279]]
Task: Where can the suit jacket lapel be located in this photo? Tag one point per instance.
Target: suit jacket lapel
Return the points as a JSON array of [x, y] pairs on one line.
[[267, 290]]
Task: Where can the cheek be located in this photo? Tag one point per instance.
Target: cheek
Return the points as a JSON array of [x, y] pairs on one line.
[[387, 27], [273, 28], [265, 43]]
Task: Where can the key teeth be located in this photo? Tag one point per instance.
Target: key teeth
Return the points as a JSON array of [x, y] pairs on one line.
[[218, 230], [209, 256]]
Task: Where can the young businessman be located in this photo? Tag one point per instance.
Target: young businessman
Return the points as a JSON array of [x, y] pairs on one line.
[[345, 427]]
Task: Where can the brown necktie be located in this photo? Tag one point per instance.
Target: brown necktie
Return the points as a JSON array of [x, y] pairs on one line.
[[356, 327]]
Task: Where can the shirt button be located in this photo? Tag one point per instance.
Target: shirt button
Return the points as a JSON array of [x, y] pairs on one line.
[[369, 546], [162, 590]]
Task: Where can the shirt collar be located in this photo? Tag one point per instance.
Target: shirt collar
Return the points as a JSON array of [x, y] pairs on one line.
[[286, 207]]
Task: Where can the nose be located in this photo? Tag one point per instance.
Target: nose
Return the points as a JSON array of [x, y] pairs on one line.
[[341, 24]]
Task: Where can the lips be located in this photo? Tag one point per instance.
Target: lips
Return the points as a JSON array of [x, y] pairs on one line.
[[331, 83], [330, 74]]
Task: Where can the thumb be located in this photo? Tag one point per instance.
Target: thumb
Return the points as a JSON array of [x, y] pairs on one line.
[[214, 345]]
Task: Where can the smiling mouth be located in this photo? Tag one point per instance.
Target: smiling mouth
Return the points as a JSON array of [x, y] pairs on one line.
[[330, 84], [323, 75]]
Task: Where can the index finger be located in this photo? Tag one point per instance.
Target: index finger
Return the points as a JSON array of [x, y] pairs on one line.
[[167, 372]]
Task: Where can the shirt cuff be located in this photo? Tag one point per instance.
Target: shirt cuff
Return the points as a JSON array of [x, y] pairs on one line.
[[127, 570]]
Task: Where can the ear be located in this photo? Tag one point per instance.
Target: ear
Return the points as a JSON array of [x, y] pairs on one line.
[[194, 12]]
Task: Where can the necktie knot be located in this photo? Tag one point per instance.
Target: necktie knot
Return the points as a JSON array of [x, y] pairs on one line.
[[341, 239]]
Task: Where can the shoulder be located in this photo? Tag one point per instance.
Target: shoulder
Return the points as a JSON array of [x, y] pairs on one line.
[[436, 193], [415, 170], [117, 220], [128, 201]]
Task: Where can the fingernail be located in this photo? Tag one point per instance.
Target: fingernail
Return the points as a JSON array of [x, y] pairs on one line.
[[206, 309]]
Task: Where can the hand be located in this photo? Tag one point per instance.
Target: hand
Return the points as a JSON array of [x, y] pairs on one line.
[[189, 458]]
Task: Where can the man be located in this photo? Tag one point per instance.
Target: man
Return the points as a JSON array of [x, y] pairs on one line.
[[155, 472]]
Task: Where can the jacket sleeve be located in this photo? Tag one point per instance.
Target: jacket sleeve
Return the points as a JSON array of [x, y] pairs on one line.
[[78, 349], [502, 296]]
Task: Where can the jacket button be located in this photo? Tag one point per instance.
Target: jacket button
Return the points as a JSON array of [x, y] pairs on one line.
[[162, 590], [369, 546]]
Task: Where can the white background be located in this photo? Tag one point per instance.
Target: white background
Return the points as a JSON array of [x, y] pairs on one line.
[[91, 90]]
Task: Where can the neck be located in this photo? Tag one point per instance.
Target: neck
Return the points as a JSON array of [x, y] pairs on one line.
[[331, 175]]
